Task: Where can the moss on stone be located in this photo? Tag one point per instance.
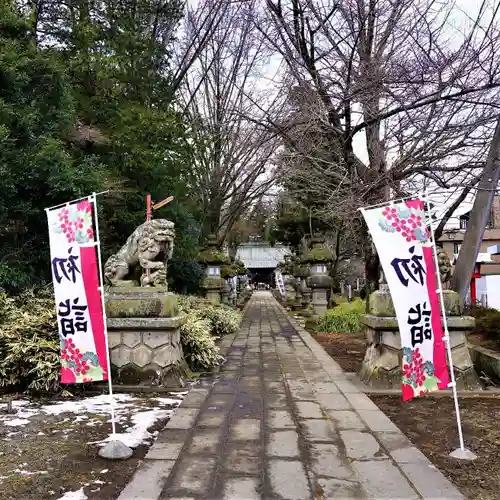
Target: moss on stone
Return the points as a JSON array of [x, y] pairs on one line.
[[141, 305], [318, 252], [211, 254], [228, 271]]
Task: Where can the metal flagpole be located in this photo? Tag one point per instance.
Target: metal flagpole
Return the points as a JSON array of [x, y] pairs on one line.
[[115, 448], [462, 453], [75, 200]]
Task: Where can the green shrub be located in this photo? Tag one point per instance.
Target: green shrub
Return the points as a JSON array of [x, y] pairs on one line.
[[198, 344], [29, 343], [346, 317], [487, 323], [223, 319]]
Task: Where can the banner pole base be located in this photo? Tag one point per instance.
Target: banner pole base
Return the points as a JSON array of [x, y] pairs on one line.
[[463, 454], [115, 450]]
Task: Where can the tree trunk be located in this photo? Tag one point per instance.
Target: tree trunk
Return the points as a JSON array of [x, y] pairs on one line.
[[478, 219]]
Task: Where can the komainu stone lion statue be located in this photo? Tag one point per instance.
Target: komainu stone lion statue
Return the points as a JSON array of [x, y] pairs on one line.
[[150, 246], [444, 265]]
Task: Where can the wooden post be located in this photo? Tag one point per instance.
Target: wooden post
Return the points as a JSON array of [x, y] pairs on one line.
[[148, 207]]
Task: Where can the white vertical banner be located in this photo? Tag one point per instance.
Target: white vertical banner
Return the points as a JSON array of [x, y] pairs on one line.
[[76, 290], [405, 250], [280, 283]]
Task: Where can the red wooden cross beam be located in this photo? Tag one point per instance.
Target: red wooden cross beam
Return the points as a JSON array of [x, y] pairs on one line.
[[150, 206]]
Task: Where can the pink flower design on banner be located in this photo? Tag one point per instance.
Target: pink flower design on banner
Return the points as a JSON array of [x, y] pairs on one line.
[[75, 222], [417, 376], [76, 364], [407, 219]]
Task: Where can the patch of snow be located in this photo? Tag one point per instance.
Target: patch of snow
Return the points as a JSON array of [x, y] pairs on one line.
[[74, 495], [168, 401], [16, 422], [88, 410], [103, 471], [29, 473], [138, 433]]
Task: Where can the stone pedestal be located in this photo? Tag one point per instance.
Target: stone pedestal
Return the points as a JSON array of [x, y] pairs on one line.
[[382, 363], [213, 287], [225, 293], [297, 303], [144, 337], [320, 283], [289, 282], [306, 296]]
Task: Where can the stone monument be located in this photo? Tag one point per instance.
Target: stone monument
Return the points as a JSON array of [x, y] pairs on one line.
[[212, 259], [142, 316], [318, 256], [381, 366]]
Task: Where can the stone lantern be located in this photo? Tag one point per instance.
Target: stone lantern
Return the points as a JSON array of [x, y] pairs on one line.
[[228, 272], [289, 281], [212, 258], [302, 272], [318, 256]]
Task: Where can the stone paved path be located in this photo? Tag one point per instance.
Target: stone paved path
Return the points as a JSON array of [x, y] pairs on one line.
[[282, 422]]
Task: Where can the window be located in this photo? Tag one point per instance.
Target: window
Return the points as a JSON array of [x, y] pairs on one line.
[[463, 222], [456, 247]]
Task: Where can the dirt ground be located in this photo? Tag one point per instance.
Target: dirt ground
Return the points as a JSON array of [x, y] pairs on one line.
[[430, 424], [42, 455], [347, 349]]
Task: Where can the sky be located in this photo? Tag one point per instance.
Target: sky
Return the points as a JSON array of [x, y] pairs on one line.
[[465, 11]]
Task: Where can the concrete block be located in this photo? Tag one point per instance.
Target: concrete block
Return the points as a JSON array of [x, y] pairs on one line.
[[400, 448], [289, 480], [326, 461], [346, 419], [165, 451], [307, 409], [325, 388], [194, 474], [245, 429], [429, 481], [211, 419], [283, 444], [148, 481], [377, 421], [382, 479], [280, 419], [338, 489], [360, 401], [315, 430], [242, 461], [361, 445], [183, 418], [247, 488], [333, 401], [205, 441], [195, 398]]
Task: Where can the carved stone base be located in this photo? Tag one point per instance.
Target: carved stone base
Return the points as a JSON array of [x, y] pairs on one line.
[[144, 337], [382, 363], [147, 351]]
